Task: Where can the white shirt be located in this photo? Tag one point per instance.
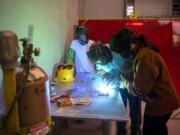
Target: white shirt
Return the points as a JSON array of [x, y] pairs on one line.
[[82, 62]]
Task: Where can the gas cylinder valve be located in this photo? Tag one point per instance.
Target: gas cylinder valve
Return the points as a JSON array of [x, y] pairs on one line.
[[28, 51]]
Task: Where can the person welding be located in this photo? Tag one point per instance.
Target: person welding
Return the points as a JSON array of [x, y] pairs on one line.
[[77, 53], [109, 66], [151, 82]]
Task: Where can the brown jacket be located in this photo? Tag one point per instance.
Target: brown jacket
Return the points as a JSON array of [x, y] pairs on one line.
[[152, 83]]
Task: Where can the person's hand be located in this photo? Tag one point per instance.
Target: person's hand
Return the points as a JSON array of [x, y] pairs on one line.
[[124, 85], [127, 76], [101, 73], [125, 82], [123, 77], [108, 79], [112, 80]]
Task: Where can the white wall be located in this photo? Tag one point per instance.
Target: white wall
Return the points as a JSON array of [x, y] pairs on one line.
[[114, 9], [73, 18], [153, 8], [101, 9]]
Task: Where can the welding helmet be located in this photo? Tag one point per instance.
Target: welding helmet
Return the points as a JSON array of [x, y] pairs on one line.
[[99, 53], [66, 73], [82, 34], [121, 42]]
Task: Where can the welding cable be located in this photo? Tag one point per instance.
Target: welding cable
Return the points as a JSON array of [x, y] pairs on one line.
[[18, 94]]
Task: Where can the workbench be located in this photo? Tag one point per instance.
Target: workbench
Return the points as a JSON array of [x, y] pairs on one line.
[[102, 107]]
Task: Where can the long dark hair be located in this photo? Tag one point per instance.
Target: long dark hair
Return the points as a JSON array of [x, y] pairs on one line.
[[121, 42]]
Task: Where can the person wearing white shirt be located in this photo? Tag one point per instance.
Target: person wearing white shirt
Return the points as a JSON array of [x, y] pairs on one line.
[[77, 53]]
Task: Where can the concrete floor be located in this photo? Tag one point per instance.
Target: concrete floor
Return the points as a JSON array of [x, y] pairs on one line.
[[94, 127]]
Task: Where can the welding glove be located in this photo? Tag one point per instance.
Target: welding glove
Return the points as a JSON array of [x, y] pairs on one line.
[[124, 85], [100, 73], [112, 80], [127, 76]]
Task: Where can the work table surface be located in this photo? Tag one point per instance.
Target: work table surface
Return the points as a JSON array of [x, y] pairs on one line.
[[102, 107]]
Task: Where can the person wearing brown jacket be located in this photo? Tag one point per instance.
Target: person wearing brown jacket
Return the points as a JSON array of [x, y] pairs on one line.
[[151, 82]]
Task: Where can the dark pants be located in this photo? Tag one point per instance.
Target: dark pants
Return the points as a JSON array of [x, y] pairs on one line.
[[155, 125], [135, 113]]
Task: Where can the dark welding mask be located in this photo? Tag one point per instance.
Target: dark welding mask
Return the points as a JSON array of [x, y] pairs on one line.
[[83, 39], [121, 42], [82, 35]]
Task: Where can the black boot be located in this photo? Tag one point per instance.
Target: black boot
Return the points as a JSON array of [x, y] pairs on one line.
[[136, 131], [121, 128]]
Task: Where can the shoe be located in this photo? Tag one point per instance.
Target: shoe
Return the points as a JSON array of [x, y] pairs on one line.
[[121, 128], [136, 132]]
